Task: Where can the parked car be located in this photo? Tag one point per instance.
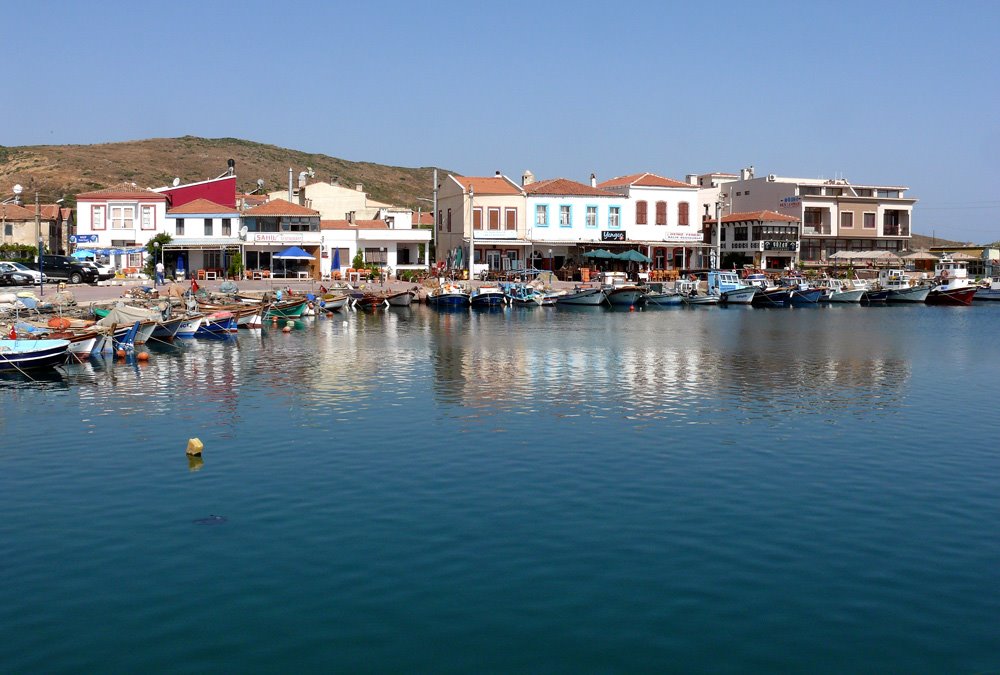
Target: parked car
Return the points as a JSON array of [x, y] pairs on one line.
[[61, 267], [104, 272], [17, 274]]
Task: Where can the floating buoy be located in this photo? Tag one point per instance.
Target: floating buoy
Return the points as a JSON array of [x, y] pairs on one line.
[[631, 308], [142, 356], [195, 446], [289, 324], [121, 353]]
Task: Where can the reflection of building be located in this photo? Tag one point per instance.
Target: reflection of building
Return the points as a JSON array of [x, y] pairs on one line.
[[764, 239]]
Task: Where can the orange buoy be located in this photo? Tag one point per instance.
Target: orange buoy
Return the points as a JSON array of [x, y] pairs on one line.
[[142, 356]]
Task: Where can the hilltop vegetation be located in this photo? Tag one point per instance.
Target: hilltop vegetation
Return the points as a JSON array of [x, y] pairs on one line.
[[57, 170]]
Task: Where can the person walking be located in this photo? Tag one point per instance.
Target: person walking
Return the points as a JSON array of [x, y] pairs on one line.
[[159, 273]]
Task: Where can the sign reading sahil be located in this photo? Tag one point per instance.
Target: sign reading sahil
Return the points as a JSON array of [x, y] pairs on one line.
[[612, 235]]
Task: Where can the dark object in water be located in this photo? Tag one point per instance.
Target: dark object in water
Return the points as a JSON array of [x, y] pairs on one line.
[[211, 520]]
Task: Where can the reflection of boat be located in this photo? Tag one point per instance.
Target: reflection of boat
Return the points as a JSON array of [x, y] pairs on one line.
[[448, 295], [900, 288], [729, 288], [24, 354], [582, 296], [953, 287], [487, 296]]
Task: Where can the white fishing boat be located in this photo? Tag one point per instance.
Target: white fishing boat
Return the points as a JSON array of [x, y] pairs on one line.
[[729, 288], [989, 289], [900, 287], [589, 297], [17, 355], [838, 290]]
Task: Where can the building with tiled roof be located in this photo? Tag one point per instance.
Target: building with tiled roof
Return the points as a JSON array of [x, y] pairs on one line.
[[764, 239], [643, 180], [18, 225], [118, 221]]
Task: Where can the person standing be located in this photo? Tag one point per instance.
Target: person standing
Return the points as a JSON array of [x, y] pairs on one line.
[[159, 273]]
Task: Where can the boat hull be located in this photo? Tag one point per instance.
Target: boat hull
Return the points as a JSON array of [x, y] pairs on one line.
[[489, 299], [16, 355], [739, 296], [448, 300], [625, 297], [771, 298], [809, 296], [401, 299], [913, 294], [590, 297], [987, 294], [952, 296], [846, 296], [663, 299]]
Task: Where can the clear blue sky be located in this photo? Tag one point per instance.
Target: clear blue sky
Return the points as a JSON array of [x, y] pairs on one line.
[[899, 93]]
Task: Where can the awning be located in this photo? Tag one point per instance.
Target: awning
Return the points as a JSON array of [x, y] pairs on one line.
[[202, 243]]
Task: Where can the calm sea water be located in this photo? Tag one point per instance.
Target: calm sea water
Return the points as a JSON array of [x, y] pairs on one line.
[[541, 490]]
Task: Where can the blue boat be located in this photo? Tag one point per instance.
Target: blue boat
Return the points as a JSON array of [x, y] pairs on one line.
[[487, 296], [217, 324], [806, 296], [448, 295], [520, 294], [18, 355]]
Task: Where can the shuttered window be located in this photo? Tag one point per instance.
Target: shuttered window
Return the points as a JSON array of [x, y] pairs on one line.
[[640, 213], [510, 219], [477, 218], [661, 213], [682, 213], [494, 213]]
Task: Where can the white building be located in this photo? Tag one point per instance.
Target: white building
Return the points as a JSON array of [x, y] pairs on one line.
[[565, 218], [119, 221], [205, 234]]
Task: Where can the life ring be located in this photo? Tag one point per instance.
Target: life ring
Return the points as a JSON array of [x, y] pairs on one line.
[[944, 274]]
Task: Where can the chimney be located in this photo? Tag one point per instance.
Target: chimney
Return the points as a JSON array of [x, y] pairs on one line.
[[498, 174], [350, 217], [359, 187], [289, 183], [593, 180], [527, 178], [302, 179], [691, 179]]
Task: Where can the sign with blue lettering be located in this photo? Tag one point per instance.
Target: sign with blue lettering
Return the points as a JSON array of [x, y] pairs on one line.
[[612, 235], [83, 238]]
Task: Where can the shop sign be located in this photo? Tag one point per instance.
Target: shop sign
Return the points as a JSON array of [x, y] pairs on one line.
[[278, 237], [612, 235]]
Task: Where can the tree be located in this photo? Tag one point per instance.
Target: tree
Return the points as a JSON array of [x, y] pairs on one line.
[[155, 253]]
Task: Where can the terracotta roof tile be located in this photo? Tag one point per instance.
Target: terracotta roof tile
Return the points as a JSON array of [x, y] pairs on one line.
[[564, 186], [762, 216], [645, 180], [487, 185], [280, 207], [15, 212], [122, 191], [202, 206]]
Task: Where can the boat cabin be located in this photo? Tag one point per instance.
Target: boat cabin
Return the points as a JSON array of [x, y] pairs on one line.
[[948, 269]]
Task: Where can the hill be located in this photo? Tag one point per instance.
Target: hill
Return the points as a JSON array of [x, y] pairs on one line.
[[920, 241], [57, 170]]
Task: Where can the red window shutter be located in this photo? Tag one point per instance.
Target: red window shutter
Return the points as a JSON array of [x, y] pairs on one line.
[[477, 219], [661, 213], [511, 219], [640, 213], [682, 213]]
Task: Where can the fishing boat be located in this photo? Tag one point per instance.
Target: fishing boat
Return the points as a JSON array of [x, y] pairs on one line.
[[729, 288], [82, 340], [588, 297], [837, 290], [900, 287], [368, 301], [628, 295], [988, 289], [448, 295], [768, 295], [126, 315], [189, 326], [522, 295], [874, 296], [217, 324], [400, 298], [688, 292], [18, 354], [333, 302], [953, 287], [663, 298], [286, 309], [487, 296]]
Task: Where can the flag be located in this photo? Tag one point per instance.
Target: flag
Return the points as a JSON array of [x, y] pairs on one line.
[[194, 286]]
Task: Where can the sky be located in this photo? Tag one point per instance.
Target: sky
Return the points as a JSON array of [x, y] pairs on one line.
[[893, 93]]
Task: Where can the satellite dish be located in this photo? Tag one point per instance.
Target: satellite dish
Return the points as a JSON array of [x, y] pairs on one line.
[[260, 182], [18, 189], [243, 232], [177, 181], [231, 163]]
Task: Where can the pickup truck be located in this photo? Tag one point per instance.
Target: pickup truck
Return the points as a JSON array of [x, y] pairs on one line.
[[63, 267]]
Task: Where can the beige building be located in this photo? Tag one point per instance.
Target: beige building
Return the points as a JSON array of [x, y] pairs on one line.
[[490, 209], [18, 226]]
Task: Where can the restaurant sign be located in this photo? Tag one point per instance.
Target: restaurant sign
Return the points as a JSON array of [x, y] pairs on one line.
[[780, 245], [277, 237], [612, 235]]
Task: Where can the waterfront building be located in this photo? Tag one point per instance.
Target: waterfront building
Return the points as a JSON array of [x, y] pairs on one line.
[[763, 239], [18, 225], [836, 215], [206, 233], [276, 225], [491, 210], [118, 221], [351, 222], [565, 218], [658, 217]]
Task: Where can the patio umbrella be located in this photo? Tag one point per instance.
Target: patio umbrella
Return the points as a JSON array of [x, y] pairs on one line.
[[335, 265], [180, 264], [600, 253], [632, 255], [292, 253], [83, 254]]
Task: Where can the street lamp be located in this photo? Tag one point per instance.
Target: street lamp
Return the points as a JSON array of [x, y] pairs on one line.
[[41, 269], [156, 255], [552, 262]]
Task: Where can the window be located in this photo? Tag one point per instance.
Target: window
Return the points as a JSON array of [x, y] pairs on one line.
[[740, 233], [682, 213], [147, 218], [510, 219], [722, 233], [887, 194], [477, 218], [565, 216], [869, 222], [97, 218], [614, 217], [403, 256], [227, 227], [846, 220], [208, 227], [8, 229], [661, 213], [179, 230], [494, 217], [640, 213], [449, 219], [890, 223], [135, 260], [439, 219], [591, 216], [804, 191], [122, 217], [375, 255], [541, 215]]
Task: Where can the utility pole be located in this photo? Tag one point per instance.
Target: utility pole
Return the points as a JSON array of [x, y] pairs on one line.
[[434, 217], [38, 233], [472, 233]]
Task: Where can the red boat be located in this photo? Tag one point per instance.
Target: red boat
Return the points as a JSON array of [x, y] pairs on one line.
[[953, 287]]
